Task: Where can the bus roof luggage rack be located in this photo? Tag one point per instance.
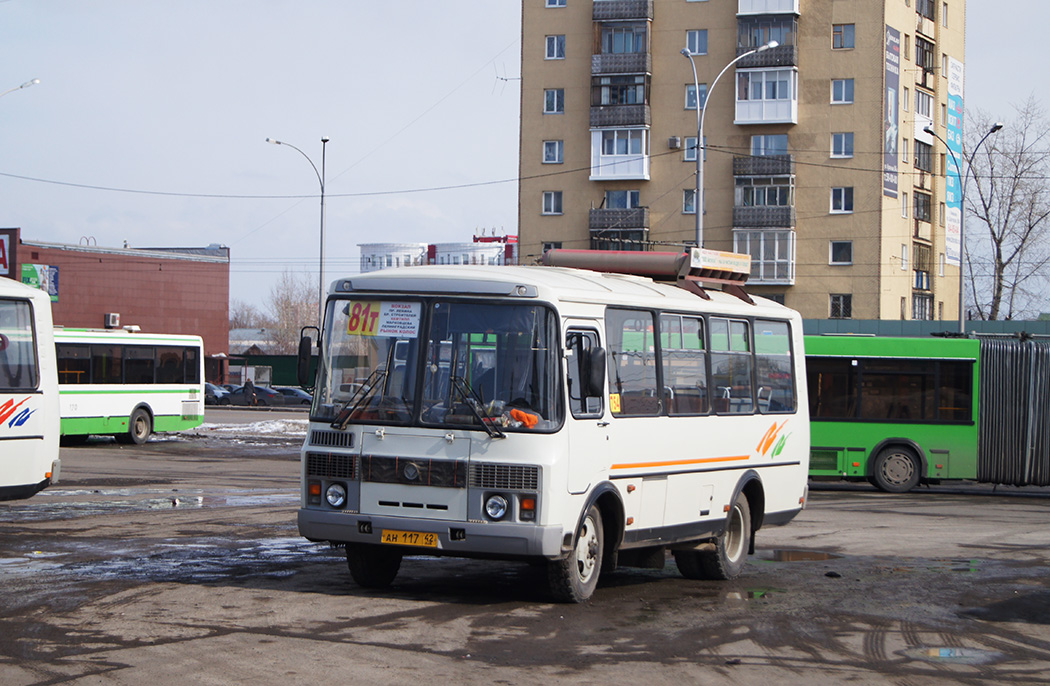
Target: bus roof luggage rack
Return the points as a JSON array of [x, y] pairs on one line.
[[690, 270]]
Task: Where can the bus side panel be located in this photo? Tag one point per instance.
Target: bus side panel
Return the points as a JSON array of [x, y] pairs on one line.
[[848, 449]]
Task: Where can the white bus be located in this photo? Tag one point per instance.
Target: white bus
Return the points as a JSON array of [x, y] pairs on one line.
[[580, 419], [29, 460], [128, 384]]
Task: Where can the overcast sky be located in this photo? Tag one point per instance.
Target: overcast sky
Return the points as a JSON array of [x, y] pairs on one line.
[[173, 100]]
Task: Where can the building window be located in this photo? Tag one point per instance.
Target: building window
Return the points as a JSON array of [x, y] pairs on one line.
[[553, 152], [940, 217], [769, 144], [924, 156], [842, 200], [772, 254], [554, 101], [841, 91], [923, 104], [944, 14], [696, 41], [841, 306], [904, 151], [842, 145], [555, 47], [905, 98], [691, 148], [842, 36], [551, 202], [922, 307], [624, 39], [755, 31], [906, 42], [922, 206], [690, 96], [944, 114], [841, 252], [623, 142], [904, 205], [764, 191], [689, 201], [618, 90], [944, 65], [555, 3], [924, 54], [925, 8], [622, 200], [765, 85], [940, 266], [904, 257], [551, 245]]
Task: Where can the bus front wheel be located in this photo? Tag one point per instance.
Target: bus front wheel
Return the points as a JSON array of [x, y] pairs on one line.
[[729, 554], [139, 428], [372, 566], [574, 578], [896, 470]]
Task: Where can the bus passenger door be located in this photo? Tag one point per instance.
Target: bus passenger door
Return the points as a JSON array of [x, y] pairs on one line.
[[588, 428]]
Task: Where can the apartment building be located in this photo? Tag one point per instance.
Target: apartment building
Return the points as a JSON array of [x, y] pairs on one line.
[[817, 161]]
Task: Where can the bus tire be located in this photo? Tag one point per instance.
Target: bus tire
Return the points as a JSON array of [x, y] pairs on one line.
[[896, 470], [726, 560], [372, 566], [139, 428], [573, 578]]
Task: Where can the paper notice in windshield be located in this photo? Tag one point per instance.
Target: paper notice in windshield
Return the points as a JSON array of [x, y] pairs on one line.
[[393, 319]]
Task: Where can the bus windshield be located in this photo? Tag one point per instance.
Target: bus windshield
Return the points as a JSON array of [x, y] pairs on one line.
[[439, 363]]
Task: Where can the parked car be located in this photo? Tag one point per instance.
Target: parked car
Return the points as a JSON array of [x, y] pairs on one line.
[[230, 387], [215, 395], [263, 396], [295, 396]]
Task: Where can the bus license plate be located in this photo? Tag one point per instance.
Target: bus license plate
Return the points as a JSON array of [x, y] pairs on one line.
[[416, 538]]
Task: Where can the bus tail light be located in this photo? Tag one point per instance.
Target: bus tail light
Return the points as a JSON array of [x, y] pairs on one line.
[[527, 508]]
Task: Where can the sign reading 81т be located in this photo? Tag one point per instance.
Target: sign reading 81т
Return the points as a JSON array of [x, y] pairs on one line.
[[386, 318]]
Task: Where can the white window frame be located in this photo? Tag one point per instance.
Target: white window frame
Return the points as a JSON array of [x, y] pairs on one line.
[[761, 149], [904, 151], [923, 104], [842, 145], [831, 253], [839, 196], [692, 41], [690, 95], [558, 149], [904, 257], [555, 47], [767, 259], [844, 100], [634, 199], [559, 100], [555, 3], [904, 205], [552, 203], [689, 201]]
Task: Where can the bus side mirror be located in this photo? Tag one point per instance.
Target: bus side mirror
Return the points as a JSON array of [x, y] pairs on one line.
[[594, 374], [306, 346]]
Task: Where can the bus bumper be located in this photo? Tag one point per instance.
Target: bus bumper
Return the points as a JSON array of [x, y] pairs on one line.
[[494, 539]]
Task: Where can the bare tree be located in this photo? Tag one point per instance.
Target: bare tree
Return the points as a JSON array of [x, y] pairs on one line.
[[246, 316], [1009, 250], [293, 305]]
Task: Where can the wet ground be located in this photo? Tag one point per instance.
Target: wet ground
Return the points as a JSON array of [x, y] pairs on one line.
[[179, 562]]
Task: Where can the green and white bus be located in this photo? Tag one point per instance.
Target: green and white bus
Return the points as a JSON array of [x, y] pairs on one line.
[[128, 384], [903, 411], [29, 459]]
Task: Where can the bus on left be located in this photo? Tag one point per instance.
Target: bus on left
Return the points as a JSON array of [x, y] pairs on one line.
[[29, 419]]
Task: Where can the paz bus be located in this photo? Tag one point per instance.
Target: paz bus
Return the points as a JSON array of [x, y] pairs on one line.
[[903, 411], [128, 384], [575, 418], [29, 460]]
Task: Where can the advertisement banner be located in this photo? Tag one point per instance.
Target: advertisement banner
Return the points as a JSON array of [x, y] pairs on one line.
[[42, 276], [892, 119], [953, 199]]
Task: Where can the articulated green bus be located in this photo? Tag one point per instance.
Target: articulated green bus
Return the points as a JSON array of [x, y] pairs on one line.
[[903, 411]]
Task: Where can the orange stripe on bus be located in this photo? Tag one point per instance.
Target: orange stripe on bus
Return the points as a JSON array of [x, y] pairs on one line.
[[672, 463]]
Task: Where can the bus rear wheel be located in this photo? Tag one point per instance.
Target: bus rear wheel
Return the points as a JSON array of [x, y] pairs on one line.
[[896, 470], [574, 578], [727, 558], [372, 566], [139, 428]]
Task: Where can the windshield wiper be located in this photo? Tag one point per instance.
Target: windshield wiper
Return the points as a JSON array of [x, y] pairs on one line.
[[473, 401], [366, 391]]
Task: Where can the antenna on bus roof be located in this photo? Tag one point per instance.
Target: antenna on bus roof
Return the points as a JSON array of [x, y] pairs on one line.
[[689, 270]]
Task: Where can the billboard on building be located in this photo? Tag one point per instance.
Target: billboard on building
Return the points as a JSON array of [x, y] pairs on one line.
[[42, 276], [892, 119], [953, 183]]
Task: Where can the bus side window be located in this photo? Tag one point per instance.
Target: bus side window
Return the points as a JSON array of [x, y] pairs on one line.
[[684, 364], [773, 369], [632, 363], [581, 355], [731, 364]]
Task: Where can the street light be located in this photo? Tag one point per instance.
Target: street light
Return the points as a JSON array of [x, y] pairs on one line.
[[962, 218], [700, 147], [27, 84], [320, 179]]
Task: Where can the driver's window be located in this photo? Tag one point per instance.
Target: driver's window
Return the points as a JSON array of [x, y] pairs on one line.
[[579, 344]]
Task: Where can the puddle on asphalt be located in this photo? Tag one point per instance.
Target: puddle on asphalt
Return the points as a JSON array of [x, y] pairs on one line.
[[1032, 608], [959, 656], [784, 555], [73, 503]]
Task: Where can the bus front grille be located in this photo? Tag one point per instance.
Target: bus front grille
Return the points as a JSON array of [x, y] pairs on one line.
[[331, 466], [505, 476], [332, 439]]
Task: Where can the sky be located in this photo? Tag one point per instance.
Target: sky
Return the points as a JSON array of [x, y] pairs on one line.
[[149, 122]]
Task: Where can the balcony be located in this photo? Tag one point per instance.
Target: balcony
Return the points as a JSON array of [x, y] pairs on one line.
[[620, 10], [619, 220], [606, 116], [764, 165], [780, 56], [621, 63], [762, 217], [766, 7]]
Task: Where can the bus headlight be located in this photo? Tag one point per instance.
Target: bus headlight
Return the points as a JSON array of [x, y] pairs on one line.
[[496, 507], [336, 495]]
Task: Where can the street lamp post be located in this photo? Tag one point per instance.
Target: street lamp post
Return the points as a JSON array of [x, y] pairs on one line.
[[698, 203], [962, 218], [27, 84], [320, 179]]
